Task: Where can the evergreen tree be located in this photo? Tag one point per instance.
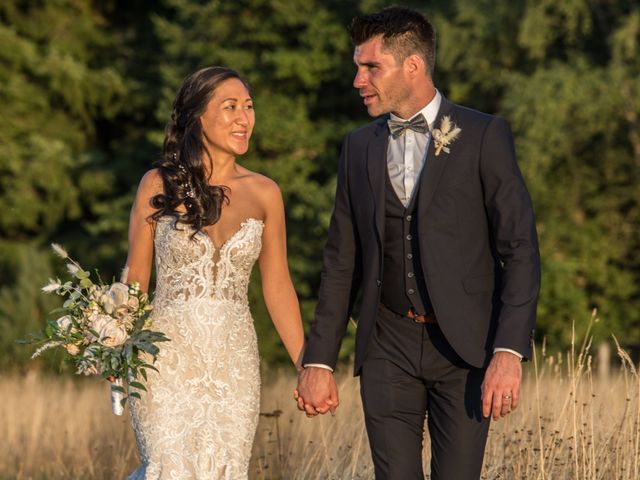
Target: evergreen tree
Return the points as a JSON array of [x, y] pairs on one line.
[[56, 90], [86, 90]]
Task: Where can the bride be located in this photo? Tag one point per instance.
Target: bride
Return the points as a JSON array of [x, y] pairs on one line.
[[208, 220]]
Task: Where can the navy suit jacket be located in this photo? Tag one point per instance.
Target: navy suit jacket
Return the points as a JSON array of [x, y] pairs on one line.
[[477, 238]]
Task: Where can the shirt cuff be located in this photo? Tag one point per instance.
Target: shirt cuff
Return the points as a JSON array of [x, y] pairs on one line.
[[318, 365], [519, 355]]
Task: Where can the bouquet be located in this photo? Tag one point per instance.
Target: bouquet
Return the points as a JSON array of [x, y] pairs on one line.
[[104, 328]]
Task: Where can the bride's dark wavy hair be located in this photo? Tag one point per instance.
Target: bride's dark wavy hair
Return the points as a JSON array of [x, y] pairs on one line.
[[184, 174]]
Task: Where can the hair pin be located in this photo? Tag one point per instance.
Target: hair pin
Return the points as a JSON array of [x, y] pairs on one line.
[[187, 185]]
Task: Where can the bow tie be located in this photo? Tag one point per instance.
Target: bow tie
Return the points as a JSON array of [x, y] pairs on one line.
[[417, 124]]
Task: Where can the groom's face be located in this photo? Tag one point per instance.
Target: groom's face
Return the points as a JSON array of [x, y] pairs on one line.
[[380, 79]]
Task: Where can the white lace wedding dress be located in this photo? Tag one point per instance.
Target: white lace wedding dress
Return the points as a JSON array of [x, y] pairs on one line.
[[199, 416]]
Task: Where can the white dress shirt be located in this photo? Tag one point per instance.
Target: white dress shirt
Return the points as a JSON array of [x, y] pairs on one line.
[[407, 153]]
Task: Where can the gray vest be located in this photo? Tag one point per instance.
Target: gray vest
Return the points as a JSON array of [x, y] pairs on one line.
[[403, 285]]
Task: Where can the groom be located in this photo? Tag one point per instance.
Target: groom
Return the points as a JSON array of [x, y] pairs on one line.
[[434, 226]]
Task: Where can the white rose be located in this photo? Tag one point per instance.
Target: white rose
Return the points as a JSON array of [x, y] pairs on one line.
[[64, 323], [113, 335], [97, 323], [119, 293]]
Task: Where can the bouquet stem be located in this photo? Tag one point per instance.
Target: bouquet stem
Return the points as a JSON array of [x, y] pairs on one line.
[[116, 397]]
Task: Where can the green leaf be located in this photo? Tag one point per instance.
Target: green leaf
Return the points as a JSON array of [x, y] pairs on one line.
[[82, 274], [139, 323], [128, 352], [146, 365]]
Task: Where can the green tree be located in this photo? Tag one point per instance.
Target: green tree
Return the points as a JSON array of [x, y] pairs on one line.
[[86, 89], [56, 89], [576, 121]]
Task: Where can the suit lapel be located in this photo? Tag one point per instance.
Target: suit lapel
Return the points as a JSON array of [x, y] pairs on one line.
[[376, 169], [434, 165]]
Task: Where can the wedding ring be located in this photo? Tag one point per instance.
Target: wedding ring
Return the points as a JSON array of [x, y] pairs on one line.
[[507, 396]]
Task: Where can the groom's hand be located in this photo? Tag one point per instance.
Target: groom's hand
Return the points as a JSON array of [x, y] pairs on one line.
[[317, 391], [501, 385]]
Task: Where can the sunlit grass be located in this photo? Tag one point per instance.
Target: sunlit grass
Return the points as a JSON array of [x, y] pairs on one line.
[[572, 424]]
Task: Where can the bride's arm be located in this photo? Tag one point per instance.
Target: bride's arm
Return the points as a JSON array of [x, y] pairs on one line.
[[279, 294], [141, 231]]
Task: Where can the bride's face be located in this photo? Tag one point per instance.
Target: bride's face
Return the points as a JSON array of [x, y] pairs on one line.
[[228, 121]]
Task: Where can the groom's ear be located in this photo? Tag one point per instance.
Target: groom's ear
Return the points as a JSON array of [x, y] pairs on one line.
[[414, 65]]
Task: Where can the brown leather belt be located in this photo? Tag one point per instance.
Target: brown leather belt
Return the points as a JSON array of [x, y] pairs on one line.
[[429, 318]]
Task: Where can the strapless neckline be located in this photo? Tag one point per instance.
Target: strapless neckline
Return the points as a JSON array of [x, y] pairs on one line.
[[242, 226], [247, 221]]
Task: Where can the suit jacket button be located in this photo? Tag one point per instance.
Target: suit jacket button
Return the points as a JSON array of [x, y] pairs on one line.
[[378, 282]]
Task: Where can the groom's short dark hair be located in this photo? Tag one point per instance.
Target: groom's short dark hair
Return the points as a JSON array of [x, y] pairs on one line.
[[404, 32]]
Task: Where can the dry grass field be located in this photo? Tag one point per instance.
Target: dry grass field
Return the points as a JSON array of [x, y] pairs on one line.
[[572, 424]]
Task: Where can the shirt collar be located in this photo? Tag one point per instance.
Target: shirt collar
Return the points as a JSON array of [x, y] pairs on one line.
[[430, 111]]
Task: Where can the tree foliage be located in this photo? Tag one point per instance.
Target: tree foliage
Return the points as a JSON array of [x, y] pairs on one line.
[[86, 89]]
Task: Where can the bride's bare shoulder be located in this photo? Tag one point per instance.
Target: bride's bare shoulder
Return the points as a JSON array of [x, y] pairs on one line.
[[150, 184], [263, 187]]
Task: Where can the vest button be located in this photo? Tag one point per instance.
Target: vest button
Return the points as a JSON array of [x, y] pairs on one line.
[[409, 237], [410, 274], [378, 283], [408, 218], [411, 291], [409, 256]]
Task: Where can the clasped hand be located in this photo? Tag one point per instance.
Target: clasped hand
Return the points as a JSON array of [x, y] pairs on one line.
[[317, 392]]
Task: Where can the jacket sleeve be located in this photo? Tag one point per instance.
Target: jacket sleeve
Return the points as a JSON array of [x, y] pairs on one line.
[[339, 278], [513, 234]]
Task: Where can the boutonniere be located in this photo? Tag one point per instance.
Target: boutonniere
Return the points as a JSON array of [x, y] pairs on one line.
[[445, 135]]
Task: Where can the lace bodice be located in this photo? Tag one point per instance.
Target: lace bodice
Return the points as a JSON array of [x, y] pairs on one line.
[[191, 267]]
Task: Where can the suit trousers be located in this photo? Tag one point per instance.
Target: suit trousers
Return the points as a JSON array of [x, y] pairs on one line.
[[411, 370]]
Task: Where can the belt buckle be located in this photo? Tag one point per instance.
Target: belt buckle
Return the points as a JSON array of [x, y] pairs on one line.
[[428, 318], [416, 318]]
